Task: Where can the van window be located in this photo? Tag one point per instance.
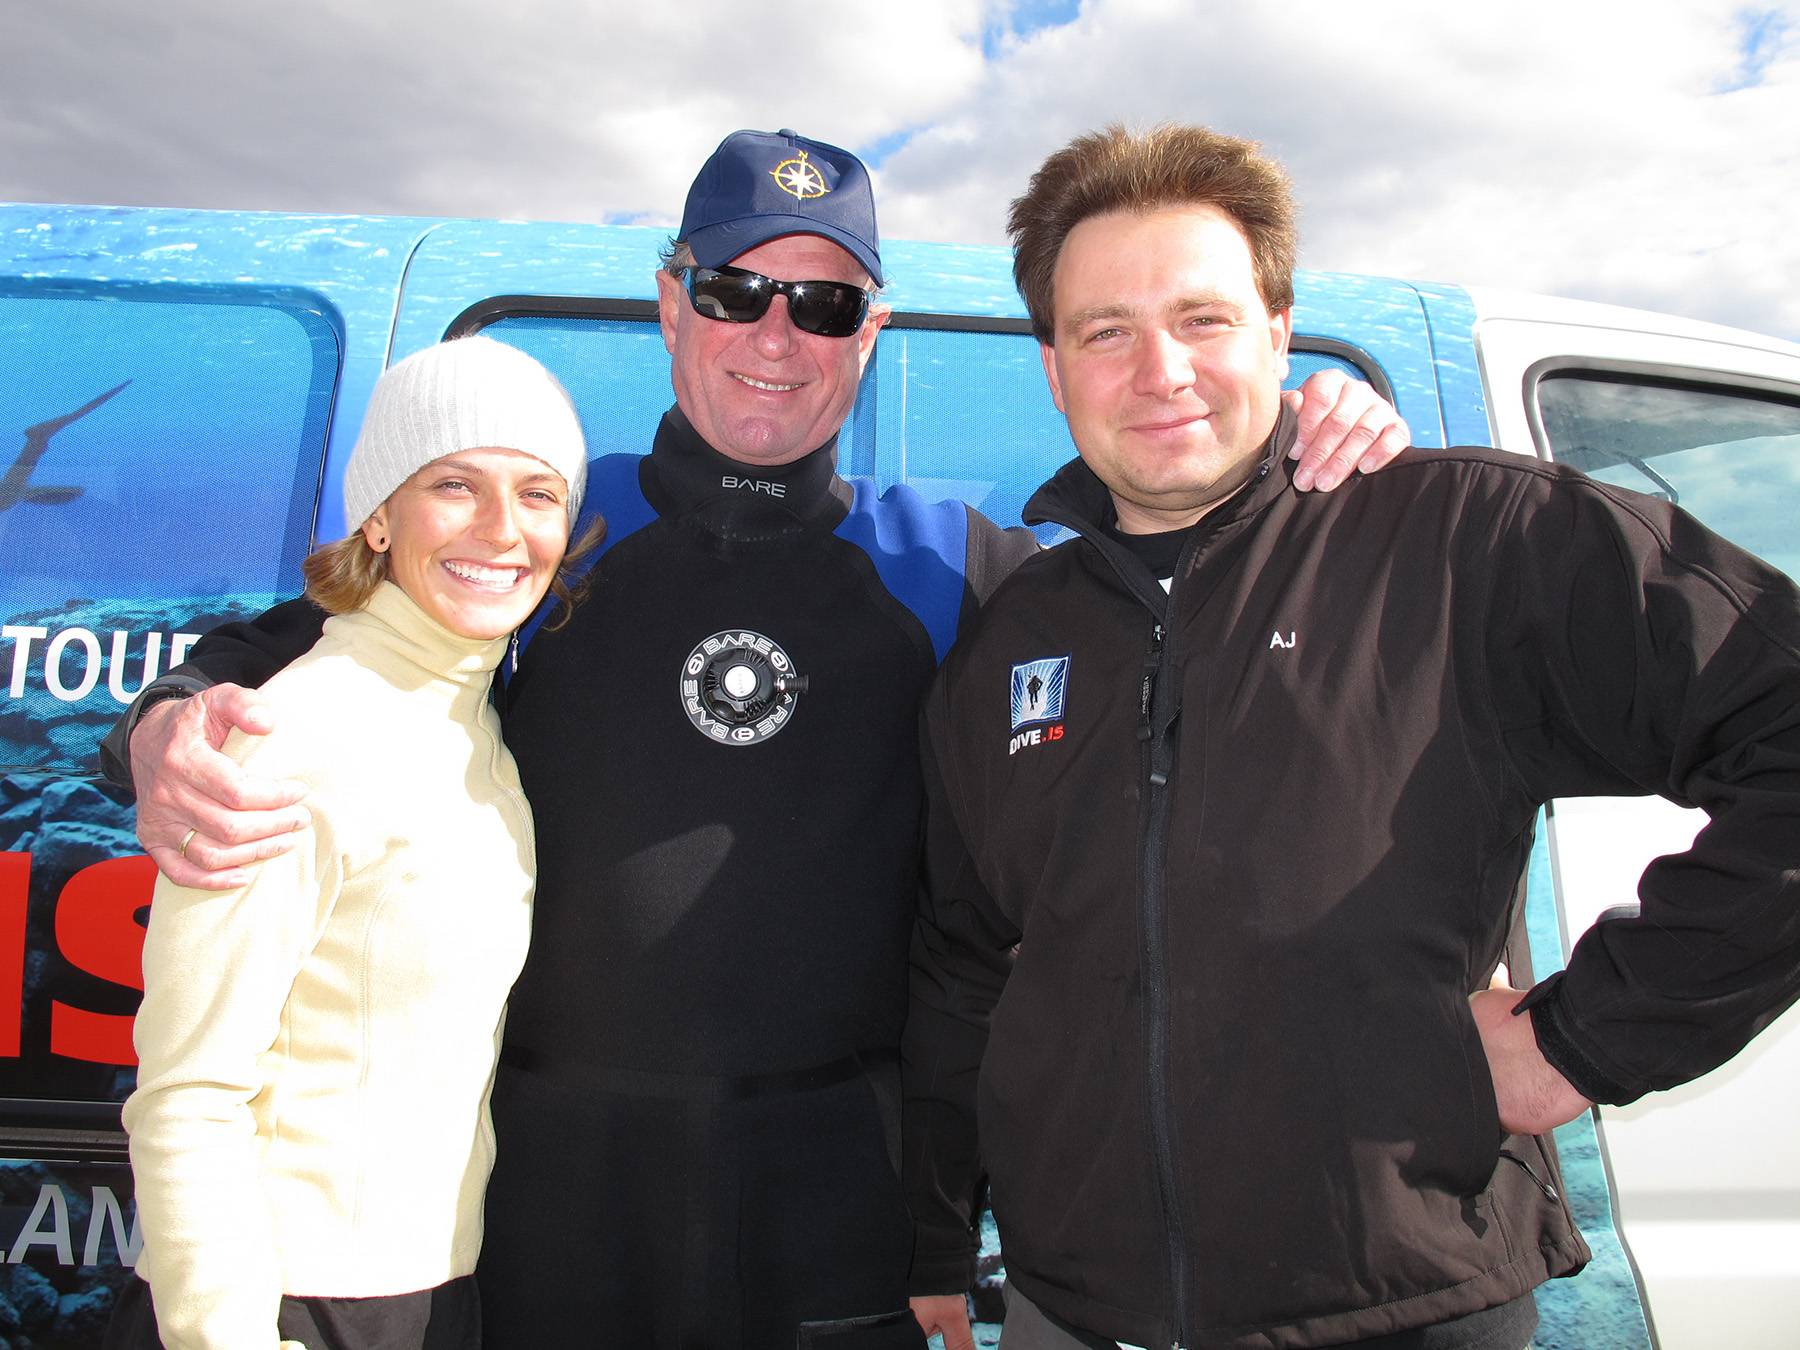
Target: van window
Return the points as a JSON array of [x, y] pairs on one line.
[[609, 355], [160, 452], [614, 367], [951, 406], [958, 413], [1728, 454], [966, 412], [159, 464]]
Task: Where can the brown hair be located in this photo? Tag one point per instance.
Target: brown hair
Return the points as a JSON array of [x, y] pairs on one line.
[[341, 577], [1119, 170]]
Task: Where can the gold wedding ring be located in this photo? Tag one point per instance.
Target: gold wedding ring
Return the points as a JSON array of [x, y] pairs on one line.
[[187, 839]]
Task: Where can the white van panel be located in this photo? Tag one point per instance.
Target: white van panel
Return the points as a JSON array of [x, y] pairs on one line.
[[1706, 1177]]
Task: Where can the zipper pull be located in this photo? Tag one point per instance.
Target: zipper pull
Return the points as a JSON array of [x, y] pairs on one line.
[[1147, 731], [1543, 1185], [1147, 687]]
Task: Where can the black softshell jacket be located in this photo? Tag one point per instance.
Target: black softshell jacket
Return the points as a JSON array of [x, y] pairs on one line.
[[1232, 1093]]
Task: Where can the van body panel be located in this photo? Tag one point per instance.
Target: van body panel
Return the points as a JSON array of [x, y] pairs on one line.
[[240, 350], [1706, 1177]]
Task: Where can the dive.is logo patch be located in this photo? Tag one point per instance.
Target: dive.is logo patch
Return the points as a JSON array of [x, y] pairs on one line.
[[1037, 692]]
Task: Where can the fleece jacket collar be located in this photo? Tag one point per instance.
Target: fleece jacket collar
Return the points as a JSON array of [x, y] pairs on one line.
[[1076, 499]]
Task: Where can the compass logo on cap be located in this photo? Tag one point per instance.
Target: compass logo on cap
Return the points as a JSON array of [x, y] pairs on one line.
[[799, 179]]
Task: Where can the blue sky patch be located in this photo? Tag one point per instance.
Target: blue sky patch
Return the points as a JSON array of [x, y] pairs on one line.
[[1024, 18], [1762, 33], [874, 153]]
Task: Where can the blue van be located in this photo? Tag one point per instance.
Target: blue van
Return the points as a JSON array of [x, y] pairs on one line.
[[181, 391]]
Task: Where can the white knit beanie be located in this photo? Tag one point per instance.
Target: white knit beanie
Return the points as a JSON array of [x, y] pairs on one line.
[[467, 394]]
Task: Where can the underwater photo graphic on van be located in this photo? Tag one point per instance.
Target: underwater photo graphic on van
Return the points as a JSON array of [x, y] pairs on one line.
[[159, 461]]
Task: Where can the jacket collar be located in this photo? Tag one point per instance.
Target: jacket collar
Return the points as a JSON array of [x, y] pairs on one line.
[[1076, 499], [683, 476]]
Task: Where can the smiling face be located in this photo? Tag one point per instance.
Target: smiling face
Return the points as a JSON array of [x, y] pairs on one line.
[[1166, 361], [475, 538], [765, 392]]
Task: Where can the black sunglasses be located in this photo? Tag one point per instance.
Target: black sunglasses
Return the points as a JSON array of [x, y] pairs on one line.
[[733, 295]]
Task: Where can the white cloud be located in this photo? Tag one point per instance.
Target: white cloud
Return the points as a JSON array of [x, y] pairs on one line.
[[1571, 146], [551, 110], [1575, 147]]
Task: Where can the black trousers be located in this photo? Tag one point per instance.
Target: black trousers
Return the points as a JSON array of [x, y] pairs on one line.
[[697, 1220], [445, 1318]]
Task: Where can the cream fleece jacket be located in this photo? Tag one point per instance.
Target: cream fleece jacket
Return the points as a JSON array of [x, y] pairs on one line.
[[316, 1048]]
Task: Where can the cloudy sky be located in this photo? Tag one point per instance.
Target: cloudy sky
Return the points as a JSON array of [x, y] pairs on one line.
[[1646, 153]]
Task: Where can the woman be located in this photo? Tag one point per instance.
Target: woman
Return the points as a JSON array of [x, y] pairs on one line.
[[309, 1133]]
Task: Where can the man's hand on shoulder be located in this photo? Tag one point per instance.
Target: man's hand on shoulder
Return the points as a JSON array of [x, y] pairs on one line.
[[200, 816], [1344, 427], [1533, 1098], [946, 1315]]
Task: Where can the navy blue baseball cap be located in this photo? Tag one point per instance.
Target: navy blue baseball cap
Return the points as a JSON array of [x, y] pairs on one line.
[[760, 185]]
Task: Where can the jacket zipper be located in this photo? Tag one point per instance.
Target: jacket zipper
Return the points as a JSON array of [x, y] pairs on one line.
[[1156, 730], [1158, 709]]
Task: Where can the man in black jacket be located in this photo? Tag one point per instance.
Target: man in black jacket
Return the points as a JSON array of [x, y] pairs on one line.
[[1247, 1089], [695, 1106]]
